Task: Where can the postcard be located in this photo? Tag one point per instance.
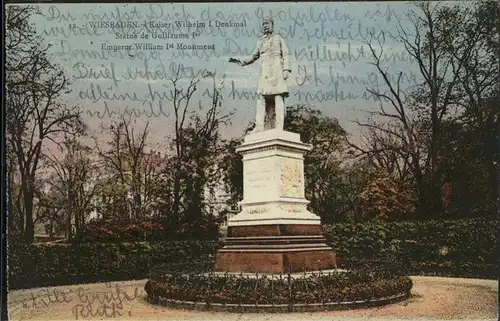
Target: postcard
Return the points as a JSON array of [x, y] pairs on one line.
[[251, 161]]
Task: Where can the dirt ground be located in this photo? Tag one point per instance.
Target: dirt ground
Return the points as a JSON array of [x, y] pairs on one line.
[[432, 298]]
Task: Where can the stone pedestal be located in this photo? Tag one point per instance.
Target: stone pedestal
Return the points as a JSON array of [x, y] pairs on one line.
[[274, 232]]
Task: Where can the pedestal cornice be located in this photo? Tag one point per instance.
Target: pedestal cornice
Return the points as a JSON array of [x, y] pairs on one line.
[[273, 140]]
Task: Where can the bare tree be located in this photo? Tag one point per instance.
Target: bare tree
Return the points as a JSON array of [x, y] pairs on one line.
[[477, 91], [128, 161], [413, 127], [384, 146], [180, 102], [36, 112], [195, 145], [73, 186], [14, 207]]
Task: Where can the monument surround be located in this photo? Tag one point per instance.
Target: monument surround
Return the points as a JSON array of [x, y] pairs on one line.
[[274, 232]]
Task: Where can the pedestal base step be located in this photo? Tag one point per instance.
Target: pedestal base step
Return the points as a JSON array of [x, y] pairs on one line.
[[274, 230], [302, 240], [278, 260]]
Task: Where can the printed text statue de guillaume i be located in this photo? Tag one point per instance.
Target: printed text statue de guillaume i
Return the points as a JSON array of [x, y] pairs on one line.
[[273, 54]]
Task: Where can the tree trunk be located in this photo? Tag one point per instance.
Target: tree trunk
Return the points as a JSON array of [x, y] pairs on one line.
[[21, 213], [78, 222], [29, 232], [70, 212], [491, 153], [69, 231], [10, 206], [465, 201], [174, 213], [137, 204]]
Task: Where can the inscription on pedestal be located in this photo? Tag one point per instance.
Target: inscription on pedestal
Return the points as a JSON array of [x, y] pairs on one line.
[[257, 175], [257, 210], [292, 208], [291, 178]]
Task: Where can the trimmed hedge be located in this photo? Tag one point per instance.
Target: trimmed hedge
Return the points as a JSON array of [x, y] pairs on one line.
[[454, 248], [61, 264], [460, 246]]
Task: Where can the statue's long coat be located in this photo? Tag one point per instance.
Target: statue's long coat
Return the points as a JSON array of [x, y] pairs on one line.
[[273, 54]]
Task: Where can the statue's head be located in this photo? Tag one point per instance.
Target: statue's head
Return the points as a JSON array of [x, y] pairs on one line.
[[267, 25]]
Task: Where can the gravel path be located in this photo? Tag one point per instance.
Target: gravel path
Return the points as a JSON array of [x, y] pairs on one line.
[[432, 298]]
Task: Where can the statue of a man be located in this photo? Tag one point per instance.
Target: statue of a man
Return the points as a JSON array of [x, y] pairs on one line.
[[273, 54]]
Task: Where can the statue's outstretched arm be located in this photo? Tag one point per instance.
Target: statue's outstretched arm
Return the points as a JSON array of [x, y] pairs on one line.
[[253, 56]]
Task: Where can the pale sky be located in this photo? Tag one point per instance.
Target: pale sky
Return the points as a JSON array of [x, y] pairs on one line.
[[339, 29]]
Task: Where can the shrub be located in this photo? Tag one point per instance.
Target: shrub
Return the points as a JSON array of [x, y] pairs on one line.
[[112, 230], [120, 230], [459, 245], [387, 197], [458, 248], [320, 288], [60, 264]]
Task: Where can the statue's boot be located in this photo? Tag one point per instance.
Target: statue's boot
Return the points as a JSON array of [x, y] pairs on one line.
[[259, 115], [256, 130]]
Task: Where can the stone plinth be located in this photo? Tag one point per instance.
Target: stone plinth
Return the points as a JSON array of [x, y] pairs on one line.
[[274, 232]]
